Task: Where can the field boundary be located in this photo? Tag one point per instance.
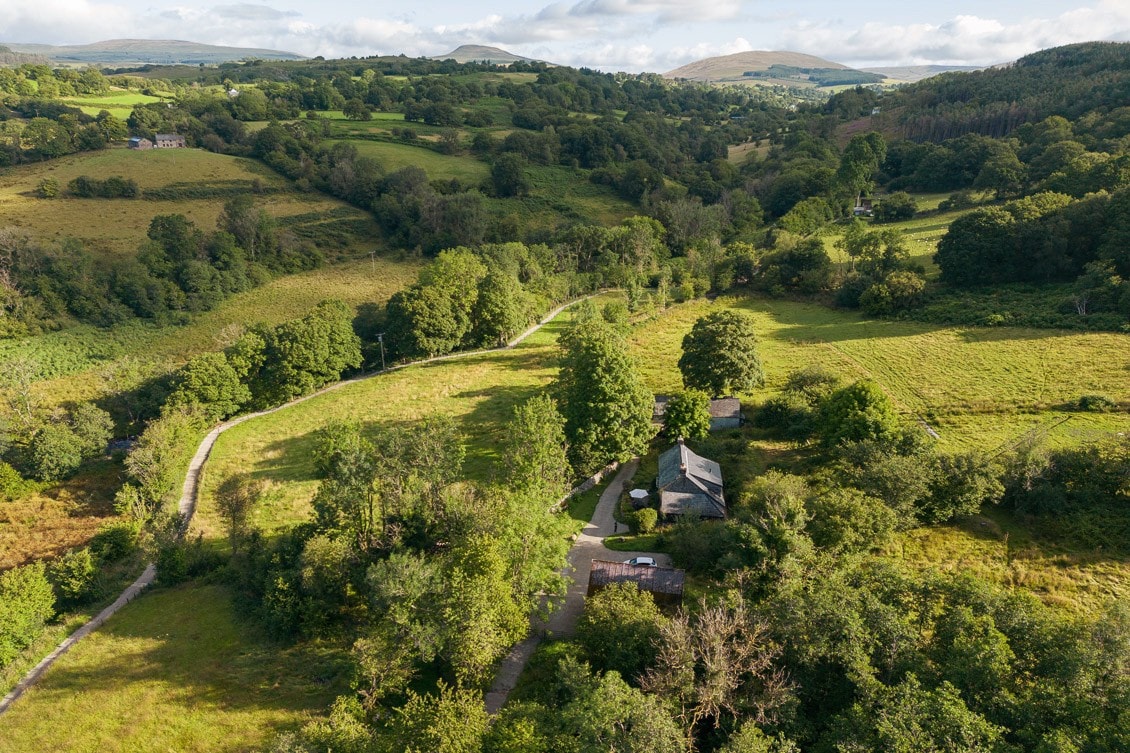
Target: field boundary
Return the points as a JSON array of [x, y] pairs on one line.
[[186, 506]]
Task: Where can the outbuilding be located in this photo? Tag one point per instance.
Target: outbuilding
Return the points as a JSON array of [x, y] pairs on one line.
[[169, 141], [665, 584]]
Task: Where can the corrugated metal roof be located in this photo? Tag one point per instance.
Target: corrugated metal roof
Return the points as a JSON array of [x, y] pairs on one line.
[[663, 580]]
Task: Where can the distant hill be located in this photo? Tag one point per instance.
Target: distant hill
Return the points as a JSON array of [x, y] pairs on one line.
[[159, 51], [477, 53], [777, 67], [10, 57], [911, 73]]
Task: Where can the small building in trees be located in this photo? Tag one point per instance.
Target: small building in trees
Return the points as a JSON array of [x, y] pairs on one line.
[[140, 142], [725, 412], [665, 584], [863, 206], [689, 485], [169, 141]]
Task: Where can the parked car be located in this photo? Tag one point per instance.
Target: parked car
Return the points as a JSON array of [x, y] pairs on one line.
[[646, 561]]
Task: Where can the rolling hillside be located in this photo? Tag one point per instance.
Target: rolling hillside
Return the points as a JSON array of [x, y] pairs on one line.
[[166, 51], [725, 67], [477, 53]]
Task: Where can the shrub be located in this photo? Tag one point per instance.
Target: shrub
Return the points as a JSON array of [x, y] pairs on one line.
[[115, 541], [74, 577], [12, 485], [644, 520], [1095, 404], [26, 603], [56, 452], [48, 188]]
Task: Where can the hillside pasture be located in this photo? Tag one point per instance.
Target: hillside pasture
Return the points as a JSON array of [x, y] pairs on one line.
[[982, 386], [395, 156], [479, 392], [191, 182], [175, 670], [118, 102], [86, 363]]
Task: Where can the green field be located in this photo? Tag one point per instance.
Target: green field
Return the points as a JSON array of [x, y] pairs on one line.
[[395, 156], [118, 226], [118, 102], [981, 387], [174, 671], [480, 392]]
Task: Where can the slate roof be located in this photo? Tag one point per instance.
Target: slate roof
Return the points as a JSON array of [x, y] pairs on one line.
[[689, 484], [725, 412], [726, 407]]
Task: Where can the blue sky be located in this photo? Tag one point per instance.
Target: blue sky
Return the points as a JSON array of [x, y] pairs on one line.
[[630, 35]]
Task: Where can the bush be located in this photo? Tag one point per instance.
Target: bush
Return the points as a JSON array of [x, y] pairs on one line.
[[56, 452], [48, 188], [1095, 404], [115, 542], [26, 603], [74, 577], [644, 520], [12, 485]]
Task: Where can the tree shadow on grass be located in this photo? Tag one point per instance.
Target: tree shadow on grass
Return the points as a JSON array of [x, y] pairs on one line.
[[187, 647]]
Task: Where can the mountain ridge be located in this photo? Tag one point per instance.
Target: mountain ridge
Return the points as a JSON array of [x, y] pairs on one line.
[[479, 53], [163, 51]]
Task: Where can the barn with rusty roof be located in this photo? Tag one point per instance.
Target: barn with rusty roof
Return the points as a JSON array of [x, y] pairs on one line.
[[665, 584]]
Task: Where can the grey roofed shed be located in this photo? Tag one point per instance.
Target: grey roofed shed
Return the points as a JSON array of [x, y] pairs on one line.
[[689, 484]]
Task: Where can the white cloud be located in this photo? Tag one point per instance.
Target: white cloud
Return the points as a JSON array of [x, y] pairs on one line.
[[969, 40], [609, 34]]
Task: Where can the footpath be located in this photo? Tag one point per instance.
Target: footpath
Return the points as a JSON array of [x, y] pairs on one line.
[[567, 611], [187, 504]]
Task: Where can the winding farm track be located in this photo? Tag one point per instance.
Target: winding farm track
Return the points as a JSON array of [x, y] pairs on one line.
[[187, 504], [567, 611]]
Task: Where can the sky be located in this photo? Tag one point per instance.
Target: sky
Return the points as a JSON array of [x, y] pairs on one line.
[[626, 35]]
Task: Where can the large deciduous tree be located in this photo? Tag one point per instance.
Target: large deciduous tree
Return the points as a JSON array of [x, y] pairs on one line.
[[606, 406], [720, 354]]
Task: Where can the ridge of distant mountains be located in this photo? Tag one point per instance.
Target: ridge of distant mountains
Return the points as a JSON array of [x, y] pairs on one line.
[[797, 69], [911, 73], [753, 67], [478, 53], [152, 51]]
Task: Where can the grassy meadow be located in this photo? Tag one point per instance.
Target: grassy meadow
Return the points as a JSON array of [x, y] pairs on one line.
[[117, 102], [979, 387], [175, 670], [395, 156], [479, 392], [118, 226]]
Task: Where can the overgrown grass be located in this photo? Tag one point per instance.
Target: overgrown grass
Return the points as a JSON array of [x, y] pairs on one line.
[[72, 361], [980, 387], [1000, 548], [174, 670]]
